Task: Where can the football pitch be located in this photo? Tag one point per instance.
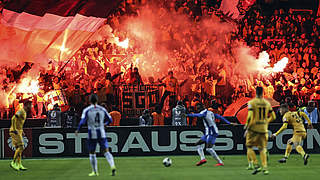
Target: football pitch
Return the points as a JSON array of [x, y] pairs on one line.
[[151, 168]]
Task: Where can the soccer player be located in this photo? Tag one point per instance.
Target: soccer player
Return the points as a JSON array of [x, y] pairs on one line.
[[211, 134], [299, 132], [16, 133], [95, 115], [260, 113]]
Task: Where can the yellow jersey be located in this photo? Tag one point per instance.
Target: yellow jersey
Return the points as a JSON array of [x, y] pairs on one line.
[[295, 120], [258, 115], [18, 120]]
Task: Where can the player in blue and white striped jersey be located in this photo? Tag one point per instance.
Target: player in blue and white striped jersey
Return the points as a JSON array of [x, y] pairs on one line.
[[211, 133], [95, 116]]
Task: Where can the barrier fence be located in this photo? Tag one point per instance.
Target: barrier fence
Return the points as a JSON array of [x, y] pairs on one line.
[[146, 141]]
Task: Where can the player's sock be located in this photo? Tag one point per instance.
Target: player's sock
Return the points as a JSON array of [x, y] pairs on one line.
[[110, 160], [19, 156], [250, 166], [15, 157], [252, 155], [200, 152], [300, 150], [305, 159], [288, 150], [214, 155], [93, 162], [263, 156]]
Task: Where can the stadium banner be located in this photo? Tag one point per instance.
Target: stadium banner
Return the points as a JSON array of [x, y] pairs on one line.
[[160, 140], [8, 148], [33, 29], [136, 98]]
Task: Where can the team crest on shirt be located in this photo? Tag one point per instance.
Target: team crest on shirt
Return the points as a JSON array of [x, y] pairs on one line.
[[25, 143]]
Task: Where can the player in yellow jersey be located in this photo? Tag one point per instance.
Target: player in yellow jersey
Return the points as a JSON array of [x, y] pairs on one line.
[[299, 132], [16, 133], [260, 114]]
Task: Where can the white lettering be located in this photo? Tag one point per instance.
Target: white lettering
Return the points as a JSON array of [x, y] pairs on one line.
[[227, 141], [114, 140], [155, 142], [312, 134], [279, 139], [184, 138], [141, 143], [77, 140], [58, 144]]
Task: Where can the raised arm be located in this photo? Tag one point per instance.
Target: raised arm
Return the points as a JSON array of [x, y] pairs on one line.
[[221, 118], [203, 114], [115, 76]]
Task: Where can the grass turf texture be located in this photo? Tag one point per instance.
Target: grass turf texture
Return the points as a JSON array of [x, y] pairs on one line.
[[151, 168]]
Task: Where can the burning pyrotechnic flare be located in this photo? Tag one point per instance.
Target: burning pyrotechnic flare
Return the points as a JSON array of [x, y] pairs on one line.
[[280, 65], [124, 44], [28, 85], [263, 64]]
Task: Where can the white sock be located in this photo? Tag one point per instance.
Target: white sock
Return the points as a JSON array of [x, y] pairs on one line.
[[109, 158], [93, 162], [200, 152], [214, 154]]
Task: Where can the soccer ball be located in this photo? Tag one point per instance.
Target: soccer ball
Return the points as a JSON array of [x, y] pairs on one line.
[[167, 162]]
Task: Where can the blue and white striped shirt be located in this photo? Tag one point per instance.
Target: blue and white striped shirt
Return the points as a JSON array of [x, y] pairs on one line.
[[94, 116]]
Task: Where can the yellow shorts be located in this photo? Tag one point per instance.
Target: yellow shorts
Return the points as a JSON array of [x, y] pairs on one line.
[[259, 140], [297, 137], [17, 139]]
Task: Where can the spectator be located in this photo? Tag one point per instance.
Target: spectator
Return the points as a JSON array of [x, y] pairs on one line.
[[195, 100], [135, 77], [158, 117], [178, 115], [145, 119], [278, 94], [109, 87], [54, 117], [40, 103], [71, 118], [116, 116], [312, 112], [171, 84]]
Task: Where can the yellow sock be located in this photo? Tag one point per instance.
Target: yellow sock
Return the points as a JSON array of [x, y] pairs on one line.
[[300, 150], [263, 156], [16, 154], [288, 150], [249, 160], [252, 156], [19, 153], [19, 159]]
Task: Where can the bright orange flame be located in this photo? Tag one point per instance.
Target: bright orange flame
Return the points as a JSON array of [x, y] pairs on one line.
[[28, 85], [124, 44]]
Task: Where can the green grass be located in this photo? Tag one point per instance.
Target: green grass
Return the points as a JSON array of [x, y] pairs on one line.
[[151, 168]]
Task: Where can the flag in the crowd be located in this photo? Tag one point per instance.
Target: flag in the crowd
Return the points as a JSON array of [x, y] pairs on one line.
[[53, 29], [236, 8]]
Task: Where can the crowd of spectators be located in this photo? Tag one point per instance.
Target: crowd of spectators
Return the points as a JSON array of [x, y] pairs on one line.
[[290, 34]]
